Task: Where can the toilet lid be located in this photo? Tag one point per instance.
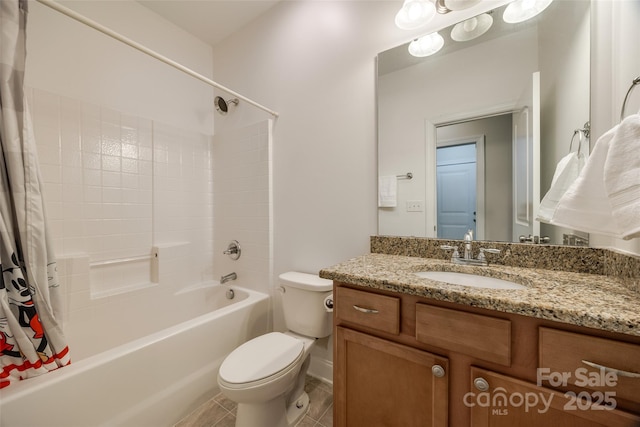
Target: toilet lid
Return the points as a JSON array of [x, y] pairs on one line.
[[260, 358]]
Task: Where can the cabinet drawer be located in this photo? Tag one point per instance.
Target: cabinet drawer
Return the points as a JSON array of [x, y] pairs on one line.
[[566, 353], [484, 337], [367, 309]]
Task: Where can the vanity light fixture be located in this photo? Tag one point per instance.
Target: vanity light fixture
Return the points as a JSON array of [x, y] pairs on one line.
[[460, 4], [426, 45], [521, 10], [415, 14], [472, 28]]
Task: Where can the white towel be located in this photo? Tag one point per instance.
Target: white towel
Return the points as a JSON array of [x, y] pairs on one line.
[[613, 208], [622, 177], [387, 191], [566, 173]]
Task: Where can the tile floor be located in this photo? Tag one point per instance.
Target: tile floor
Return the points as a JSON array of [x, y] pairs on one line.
[[220, 411]]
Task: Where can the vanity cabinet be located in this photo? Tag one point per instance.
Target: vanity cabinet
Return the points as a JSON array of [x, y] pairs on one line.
[[379, 382], [388, 345], [382, 383]]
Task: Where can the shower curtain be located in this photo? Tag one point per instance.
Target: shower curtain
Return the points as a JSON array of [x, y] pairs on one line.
[[31, 338]]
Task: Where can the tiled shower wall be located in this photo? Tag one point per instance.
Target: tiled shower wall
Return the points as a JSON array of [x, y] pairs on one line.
[[97, 167], [243, 203], [118, 187]]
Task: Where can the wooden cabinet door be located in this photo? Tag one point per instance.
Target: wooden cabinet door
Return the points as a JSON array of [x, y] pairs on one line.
[[508, 402], [383, 384]]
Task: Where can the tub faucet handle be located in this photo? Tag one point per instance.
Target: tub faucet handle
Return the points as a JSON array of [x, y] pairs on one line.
[[481, 255], [233, 250], [455, 253]]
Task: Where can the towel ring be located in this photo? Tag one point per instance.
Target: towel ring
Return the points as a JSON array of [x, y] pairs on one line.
[[635, 82], [576, 132], [584, 135]]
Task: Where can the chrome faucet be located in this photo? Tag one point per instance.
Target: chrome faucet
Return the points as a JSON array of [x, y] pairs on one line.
[[467, 258], [228, 277], [468, 238]]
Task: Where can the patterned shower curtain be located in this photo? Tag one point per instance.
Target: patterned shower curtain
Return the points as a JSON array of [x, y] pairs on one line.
[[31, 338]]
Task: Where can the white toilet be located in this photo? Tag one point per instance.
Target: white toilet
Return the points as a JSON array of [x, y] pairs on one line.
[[266, 375]]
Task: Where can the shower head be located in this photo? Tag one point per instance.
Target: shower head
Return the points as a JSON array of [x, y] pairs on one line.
[[222, 106]]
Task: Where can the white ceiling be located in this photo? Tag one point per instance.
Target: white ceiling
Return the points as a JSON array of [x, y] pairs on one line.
[[209, 20]]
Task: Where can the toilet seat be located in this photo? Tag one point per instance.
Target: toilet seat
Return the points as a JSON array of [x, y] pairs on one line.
[[261, 360]]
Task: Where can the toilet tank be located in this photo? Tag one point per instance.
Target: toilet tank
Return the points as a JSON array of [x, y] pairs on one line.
[[303, 304]]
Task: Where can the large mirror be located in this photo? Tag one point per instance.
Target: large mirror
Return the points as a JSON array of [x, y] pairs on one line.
[[456, 121]]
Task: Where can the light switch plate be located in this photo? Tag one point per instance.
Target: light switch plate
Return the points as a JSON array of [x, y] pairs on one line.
[[415, 206]]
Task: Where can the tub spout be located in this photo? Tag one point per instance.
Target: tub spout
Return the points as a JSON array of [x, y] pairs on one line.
[[228, 277]]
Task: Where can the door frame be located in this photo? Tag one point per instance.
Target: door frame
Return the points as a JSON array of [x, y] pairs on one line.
[[529, 104]]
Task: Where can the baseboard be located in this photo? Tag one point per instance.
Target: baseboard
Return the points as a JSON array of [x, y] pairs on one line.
[[321, 369]]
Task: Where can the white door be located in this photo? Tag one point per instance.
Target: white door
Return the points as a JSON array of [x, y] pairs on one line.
[[526, 161], [456, 190]]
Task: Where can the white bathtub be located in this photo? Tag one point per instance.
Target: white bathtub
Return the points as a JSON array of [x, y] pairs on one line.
[[151, 381]]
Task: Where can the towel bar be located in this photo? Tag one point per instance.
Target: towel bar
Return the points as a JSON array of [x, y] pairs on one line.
[[408, 175]]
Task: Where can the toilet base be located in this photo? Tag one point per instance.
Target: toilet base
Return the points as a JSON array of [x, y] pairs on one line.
[[273, 413], [297, 410]]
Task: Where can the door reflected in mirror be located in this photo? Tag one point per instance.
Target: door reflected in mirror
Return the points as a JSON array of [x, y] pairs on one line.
[[424, 100], [490, 205]]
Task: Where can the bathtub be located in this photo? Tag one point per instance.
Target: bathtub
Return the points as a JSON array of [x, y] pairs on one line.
[[153, 380]]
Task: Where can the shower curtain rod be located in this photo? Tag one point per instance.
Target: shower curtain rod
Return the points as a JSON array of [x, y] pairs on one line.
[[83, 19]]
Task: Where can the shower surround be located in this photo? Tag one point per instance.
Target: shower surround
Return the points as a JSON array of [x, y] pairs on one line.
[[141, 211]]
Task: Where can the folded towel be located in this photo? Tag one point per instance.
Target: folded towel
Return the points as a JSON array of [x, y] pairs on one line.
[[613, 208], [387, 191], [622, 177], [566, 173]]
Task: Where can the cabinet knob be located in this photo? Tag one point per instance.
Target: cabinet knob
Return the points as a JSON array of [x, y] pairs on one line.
[[481, 384], [438, 371]]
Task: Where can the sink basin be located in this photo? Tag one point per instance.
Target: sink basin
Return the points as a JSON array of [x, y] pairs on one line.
[[466, 279]]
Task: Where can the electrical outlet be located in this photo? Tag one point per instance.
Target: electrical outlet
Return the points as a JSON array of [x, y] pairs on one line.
[[415, 206]]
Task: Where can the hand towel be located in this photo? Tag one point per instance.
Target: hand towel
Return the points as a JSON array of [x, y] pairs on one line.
[[585, 205], [567, 171], [622, 177], [387, 191], [605, 199]]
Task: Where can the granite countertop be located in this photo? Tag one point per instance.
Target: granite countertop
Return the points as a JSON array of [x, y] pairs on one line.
[[589, 300]]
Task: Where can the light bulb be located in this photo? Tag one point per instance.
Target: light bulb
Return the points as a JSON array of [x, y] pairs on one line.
[[472, 28], [426, 45], [521, 10], [415, 14], [470, 24]]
